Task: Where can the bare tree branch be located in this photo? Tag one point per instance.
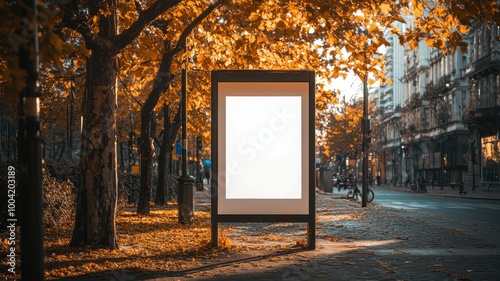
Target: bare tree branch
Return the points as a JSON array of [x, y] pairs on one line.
[[182, 39], [130, 94], [146, 17]]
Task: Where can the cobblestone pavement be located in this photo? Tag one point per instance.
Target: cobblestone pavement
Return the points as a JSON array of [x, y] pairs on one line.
[[353, 243]]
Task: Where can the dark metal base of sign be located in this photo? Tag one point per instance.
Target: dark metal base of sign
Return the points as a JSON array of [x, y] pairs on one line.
[[185, 202], [310, 232]]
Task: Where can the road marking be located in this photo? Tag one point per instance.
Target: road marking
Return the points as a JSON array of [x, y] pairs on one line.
[[491, 206]]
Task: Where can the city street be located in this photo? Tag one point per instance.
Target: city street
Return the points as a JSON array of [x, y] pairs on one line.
[[463, 209], [478, 216], [400, 236]]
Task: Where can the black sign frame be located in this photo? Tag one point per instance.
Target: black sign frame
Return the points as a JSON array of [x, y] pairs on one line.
[[263, 76]]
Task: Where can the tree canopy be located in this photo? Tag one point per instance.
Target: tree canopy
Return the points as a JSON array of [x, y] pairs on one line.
[[331, 37]]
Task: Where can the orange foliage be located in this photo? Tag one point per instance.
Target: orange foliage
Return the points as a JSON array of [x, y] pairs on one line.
[[155, 242]]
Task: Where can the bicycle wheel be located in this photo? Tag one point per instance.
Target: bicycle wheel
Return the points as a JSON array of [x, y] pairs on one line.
[[371, 195]]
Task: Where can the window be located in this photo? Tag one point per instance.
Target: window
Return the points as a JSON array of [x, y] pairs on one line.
[[486, 43], [497, 89], [477, 42], [480, 93], [462, 104], [490, 159], [455, 106], [474, 94], [432, 117], [491, 90], [426, 119]]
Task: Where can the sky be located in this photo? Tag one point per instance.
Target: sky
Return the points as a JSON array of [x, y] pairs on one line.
[[350, 87]]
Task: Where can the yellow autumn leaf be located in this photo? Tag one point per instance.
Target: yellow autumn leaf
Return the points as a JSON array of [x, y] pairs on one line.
[[418, 10], [462, 28], [385, 8], [413, 44], [429, 41], [261, 38], [254, 16], [440, 11], [406, 11], [372, 28]]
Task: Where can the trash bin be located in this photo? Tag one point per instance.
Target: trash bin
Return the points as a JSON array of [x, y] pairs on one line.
[[185, 199], [328, 181]]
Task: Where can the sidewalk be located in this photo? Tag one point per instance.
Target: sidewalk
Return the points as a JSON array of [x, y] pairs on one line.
[[478, 193], [353, 243]]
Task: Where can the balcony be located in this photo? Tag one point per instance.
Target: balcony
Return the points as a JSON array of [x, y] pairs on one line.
[[488, 62], [434, 91]]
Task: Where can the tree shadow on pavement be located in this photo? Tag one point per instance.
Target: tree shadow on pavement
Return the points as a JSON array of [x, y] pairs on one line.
[[133, 273]]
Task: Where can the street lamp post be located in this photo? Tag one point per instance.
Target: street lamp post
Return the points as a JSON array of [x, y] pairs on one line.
[[473, 160], [441, 159], [130, 144], [199, 181], [366, 129], [185, 195], [393, 171], [69, 136], [30, 149]]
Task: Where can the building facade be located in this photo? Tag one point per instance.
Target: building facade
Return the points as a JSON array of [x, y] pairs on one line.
[[483, 114], [440, 149], [423, 120], [390, 103]]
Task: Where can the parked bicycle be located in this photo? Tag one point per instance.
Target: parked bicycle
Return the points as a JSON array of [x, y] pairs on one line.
[[461, 189], [419, 186], [357, 194], [342, 183]]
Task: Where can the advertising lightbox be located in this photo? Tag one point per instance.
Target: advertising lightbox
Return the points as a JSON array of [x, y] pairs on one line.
[[263, 146]]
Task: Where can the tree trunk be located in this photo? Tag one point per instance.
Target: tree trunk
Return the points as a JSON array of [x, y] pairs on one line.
[[170, 171], [165, 151], [146, 151], [97, 195], [161, 84], [98, 191], [163, 166], [162, 159]]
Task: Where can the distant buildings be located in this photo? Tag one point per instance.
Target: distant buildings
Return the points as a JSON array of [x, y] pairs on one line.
[[483, 114], [390, 103], [442, 112]]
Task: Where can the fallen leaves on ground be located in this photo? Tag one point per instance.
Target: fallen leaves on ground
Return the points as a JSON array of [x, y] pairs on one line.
[[385, 266], [156, 242]]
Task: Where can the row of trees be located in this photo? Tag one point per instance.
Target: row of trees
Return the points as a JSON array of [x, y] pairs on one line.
[[125, 57]]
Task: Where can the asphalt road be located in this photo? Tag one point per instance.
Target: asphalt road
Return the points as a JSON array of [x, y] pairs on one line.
[[475, 216]]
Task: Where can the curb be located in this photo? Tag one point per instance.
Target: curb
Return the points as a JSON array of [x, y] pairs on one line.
[[450, 195]]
